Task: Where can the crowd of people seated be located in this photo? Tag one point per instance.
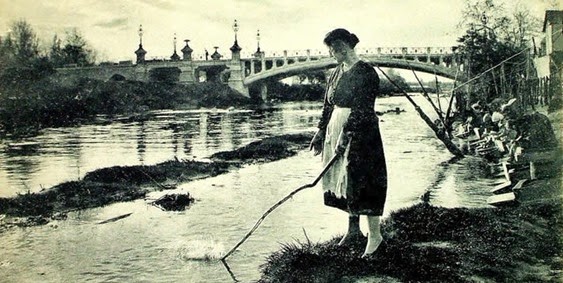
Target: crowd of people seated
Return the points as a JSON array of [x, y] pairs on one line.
[[501, 128]]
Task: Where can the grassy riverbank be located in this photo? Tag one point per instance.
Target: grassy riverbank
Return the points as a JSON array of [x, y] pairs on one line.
[[124, 183], [51, 102], [425, 243]]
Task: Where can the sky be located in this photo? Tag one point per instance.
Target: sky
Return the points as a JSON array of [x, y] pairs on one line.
[[111, 27]]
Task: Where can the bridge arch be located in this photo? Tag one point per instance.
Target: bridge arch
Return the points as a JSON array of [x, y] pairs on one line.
[[117, 77], [451, 72]]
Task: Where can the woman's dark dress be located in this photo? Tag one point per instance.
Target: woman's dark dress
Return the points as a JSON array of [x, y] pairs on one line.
[[366, 173]]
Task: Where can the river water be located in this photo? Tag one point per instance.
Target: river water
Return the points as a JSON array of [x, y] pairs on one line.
[[152, 245]]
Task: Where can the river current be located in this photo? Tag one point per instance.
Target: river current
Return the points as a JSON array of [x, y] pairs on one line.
[[152, 245]]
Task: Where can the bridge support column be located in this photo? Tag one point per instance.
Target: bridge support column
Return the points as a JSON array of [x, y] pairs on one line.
[[264, 92], [455, 61], [187, 75], [141, 73], [236, 78]]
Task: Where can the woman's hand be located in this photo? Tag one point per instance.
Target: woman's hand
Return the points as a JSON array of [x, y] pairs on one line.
[[343, 141], [317, 143]]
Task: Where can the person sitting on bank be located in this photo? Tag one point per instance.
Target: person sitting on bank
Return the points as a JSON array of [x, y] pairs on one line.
[[534, 128]]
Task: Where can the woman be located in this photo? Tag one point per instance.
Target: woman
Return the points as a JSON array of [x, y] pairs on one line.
[[357, 182]]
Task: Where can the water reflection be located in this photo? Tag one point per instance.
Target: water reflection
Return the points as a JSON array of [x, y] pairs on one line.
[[64, 154], [141, 143]]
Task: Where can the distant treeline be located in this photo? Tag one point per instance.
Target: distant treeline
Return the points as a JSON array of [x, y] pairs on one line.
[[50, 102]]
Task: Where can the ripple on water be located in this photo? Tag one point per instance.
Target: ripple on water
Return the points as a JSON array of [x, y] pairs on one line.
[[199, 249]]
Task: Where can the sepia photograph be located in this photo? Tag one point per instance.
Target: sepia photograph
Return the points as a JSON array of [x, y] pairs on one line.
[[363, 141]]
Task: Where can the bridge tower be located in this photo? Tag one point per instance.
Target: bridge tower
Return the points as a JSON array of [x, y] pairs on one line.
[[235, 66], [175, 56], [187, 51], [216, 55], [140, 52], [259, 54]]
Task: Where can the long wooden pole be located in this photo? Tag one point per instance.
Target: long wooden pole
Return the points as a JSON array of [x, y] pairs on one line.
[[426, 95], [451, 103], [438, 95], [440, 134], [290, 195], [491, 68], [495, 82]]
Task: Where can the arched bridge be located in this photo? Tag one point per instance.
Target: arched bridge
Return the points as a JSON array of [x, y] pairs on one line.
[[240, 72], [440, 61]]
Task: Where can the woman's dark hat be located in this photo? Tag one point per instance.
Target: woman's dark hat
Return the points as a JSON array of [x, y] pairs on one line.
[[341, 34]]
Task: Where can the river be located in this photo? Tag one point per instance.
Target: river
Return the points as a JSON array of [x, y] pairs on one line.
[[152, 245]]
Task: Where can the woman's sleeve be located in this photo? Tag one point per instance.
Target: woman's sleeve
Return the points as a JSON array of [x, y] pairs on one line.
[[325, 117], [365, 87], [327, 107]]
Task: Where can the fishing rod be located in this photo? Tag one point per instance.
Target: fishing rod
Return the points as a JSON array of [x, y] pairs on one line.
[[314, 183], [451, 103], [491, 68]]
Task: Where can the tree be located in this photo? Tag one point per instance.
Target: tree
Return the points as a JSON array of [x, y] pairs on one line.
[[6, 54], [524, 26], [56, 52], [22, 43], [313, 77], [486, 17], [19, 57], [76, 50], [387, 87], [491, 37]]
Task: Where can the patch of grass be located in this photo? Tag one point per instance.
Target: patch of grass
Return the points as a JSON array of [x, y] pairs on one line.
[[107, 185], [424, 243], [268, 149], [69, 196], [170, 170], [174, 202]]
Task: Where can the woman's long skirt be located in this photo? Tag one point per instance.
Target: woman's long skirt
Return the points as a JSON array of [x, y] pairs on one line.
[[357, 181]]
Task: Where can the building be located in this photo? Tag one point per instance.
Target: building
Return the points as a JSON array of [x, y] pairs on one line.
[[549, 59]]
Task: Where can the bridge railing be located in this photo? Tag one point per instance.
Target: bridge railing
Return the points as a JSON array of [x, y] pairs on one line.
[[196, 56], [405, 50], [422, 50], [438, 56], [288, 53]]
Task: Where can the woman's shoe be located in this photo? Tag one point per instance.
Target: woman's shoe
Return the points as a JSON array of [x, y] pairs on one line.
[[349, 239], [372, 245]]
